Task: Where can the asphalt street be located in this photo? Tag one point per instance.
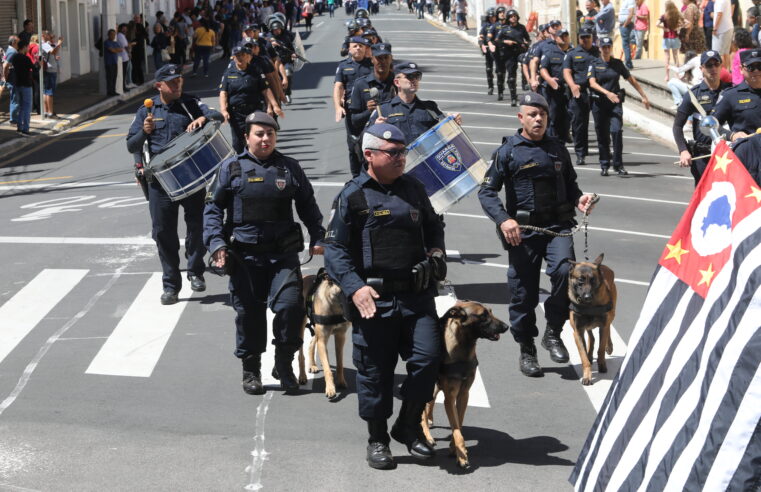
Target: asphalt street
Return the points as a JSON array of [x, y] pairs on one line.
[[167, 413]]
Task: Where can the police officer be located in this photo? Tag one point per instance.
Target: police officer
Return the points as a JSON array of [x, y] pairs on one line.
[[740, 106], [173, 112], [486, 50], [748, 151], [525, 58], [282, 42], [363, 100], [352, 29], [356, 66], [553, 84], [540, 190], [385, 248], [706, 93], [243, 90], [575, 66], [250, 230], [406, 111], [550, 30], [511, 40], [607, 105], [371, 35]]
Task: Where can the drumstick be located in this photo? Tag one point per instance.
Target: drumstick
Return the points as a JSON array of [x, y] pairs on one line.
[[148, 103], [374, 96], [696, 157]]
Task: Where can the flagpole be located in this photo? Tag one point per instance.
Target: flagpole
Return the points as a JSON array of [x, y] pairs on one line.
[[39, 54]]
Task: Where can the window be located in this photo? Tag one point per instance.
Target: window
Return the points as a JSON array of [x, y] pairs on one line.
[[64, 24], [82, 27]]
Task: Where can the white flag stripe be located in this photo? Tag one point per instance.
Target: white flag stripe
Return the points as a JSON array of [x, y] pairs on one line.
[[135, 345], [32, 303], [268, 358], [736, 441]]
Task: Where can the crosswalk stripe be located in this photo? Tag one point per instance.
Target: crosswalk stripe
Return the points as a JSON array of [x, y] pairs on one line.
[[134, 347], [268, 360], [32, 303]]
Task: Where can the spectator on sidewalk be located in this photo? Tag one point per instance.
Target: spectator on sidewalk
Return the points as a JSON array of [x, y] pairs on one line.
[[203, 40], [9, 75], [626, 18], [721, 38], [50, 61], [671, 21], [445, 6], [308, 12], [641, 26], [26, 34], [687, 75], [111, 50], [742, 42], [22, 67], [33, 53], [159, 43], [605, 20], [124, 44], [737, 16], [693, 38], [138, 34], [460, 8], [181, 38], [708, 22]]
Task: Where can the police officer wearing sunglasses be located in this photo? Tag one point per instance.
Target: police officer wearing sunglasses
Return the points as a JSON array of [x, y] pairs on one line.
[[385, 248], [740, 106]]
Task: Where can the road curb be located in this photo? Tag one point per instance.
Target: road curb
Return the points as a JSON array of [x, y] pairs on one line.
[[61, 127], [462, 34]]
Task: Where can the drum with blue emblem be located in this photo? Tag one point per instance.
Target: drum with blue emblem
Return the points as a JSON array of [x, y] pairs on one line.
[[190, 161], [447, 163]]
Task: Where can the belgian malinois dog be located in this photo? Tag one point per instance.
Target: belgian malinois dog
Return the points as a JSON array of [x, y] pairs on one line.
[[592, 292], [322, 296], [461, 327]]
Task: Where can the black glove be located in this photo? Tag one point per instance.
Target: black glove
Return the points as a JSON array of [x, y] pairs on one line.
[[438, 266], [421, 276]]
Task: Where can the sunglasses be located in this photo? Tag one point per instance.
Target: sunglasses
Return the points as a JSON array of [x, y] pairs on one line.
[[753, 67], [414, 76], [712, 64], [392, 153]]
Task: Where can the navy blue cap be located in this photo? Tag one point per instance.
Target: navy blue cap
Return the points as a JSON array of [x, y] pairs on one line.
[[370, 32], [360, 40], [543, 27], [563, 32], [387, 132], [251, 27], [407, 68], [748, 57], [241, 49], [713, 55], [261, 118], [554, 22], [606, 41], [534, 99], [381, 49], [168, 72], [586, 31]]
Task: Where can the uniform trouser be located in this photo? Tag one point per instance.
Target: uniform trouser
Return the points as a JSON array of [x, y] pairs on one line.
[[378, 342], [697, 167], [609, 123], [511, 69], [164, 214], [276, 284], [523, 282], [355, 166], [579, 110], [237, 130], [559, 123], [489, 61]]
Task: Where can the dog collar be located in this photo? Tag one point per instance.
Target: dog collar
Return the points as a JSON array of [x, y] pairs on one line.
[[591, 310]]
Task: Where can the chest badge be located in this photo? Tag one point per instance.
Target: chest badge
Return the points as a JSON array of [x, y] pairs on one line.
[[449, 158], [414, 214], [280, 183]]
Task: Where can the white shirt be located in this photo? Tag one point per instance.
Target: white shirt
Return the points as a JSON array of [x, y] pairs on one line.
[[692, 66], [49, 56], [460, 6], [725, 7], [122, 40]]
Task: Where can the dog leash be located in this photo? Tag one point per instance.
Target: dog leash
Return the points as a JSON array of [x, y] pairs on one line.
[[584, 225]]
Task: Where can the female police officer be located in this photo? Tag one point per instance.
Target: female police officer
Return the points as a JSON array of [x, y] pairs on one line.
[[243, 90], [251, 203], [607, 104]]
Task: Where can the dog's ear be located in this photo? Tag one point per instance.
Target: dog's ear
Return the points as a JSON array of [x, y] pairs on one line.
[[456, 312], [598, 260]]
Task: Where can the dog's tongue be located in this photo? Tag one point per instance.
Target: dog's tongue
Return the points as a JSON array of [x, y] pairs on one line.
[[495, 337]]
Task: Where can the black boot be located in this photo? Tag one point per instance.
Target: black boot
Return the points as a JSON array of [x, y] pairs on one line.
[[500, 97], [283, 370], [528, 362], [252, 375], [552, 342], [378, 453], [407, 430], [490, 91], [514, 102]]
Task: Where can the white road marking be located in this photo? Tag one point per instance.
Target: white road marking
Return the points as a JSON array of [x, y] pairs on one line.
[[426, 50], [22, 312], [498, 129], [318, 24], [596, 169], [99, 241], [457, 92], [268, 359], [429, 82], [136, 344], [82, 184], [489, 114], [437, 76]]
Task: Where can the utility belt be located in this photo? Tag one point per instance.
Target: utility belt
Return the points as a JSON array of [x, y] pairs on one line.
[[388, 286], [696, 148], [602, 98], [560, 213], [290, 242], [424, 274], [243, 108]]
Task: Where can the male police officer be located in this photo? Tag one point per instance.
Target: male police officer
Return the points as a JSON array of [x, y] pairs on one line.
[[486, 50], [406, 111], [575, 65], [550, 31], [252, 204], [385, 249], [740, 106], [172, 113], [356, 66], [541, 190], [282, 42], [553, 85], [706, 93], [511, 40]]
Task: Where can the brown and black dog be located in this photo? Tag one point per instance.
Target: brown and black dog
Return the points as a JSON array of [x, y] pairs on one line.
[[461, 327], [327, 319], [592, 292]]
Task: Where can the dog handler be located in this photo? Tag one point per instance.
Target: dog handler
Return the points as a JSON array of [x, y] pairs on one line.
[[540, 190], [385, 248], [250, 231]]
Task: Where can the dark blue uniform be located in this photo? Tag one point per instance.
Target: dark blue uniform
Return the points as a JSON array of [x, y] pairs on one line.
[[552, 61], [347, 73], [412, 119], [284, 51], [609, 117], [706, 97], [382, 231], [507, 56], [483, 38], [251, 212], [578, 60], [748, 151], [360, 95], [540, 190], [740, 108], [171, 120], [245, 94]]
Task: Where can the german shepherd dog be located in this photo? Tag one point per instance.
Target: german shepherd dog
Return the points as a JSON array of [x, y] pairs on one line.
[[592, 292], [326, 314], [461, 327]]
